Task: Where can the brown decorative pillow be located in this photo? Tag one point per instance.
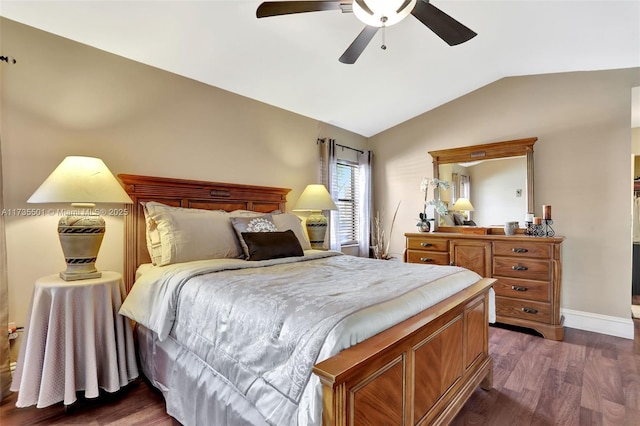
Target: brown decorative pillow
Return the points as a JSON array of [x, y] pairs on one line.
[[272, 245], [261, 223]]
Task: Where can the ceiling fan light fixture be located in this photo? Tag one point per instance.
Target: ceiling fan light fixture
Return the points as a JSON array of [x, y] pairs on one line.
[[384, 13]]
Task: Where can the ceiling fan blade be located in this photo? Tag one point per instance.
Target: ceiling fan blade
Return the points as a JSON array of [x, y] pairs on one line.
[[445, 27], [274, 8], [353, 52]]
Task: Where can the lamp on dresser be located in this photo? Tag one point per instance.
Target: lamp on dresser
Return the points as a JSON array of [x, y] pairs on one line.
[[462, 204], [315, 198], [83, 182]]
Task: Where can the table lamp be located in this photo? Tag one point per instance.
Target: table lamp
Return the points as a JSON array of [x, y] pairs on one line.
[[316, 198], [81, 181], [462, 204]]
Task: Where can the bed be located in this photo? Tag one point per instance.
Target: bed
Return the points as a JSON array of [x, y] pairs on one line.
[[381, 356]]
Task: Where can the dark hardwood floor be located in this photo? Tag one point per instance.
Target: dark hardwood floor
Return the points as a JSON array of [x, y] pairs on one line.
[[587, 379], [138, 404]]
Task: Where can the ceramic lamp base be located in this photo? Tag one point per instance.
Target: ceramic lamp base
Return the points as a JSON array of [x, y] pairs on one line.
[[317, 230], [80, 238]]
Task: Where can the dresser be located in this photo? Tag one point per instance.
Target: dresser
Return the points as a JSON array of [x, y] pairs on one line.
[[528, 272]]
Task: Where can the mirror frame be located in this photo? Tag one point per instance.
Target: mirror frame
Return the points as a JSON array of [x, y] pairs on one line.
[[505, 149]]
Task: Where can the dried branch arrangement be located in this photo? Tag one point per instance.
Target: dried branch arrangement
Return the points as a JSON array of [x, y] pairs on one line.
[[380, 243]]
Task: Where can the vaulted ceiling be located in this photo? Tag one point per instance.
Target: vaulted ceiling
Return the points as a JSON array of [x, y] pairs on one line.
[[292, 61]]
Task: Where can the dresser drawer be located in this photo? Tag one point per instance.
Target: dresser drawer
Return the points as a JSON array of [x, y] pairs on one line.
[[523, 268], [426, 243], [525, 309], [523, 289], [428, 257], [522, 249]]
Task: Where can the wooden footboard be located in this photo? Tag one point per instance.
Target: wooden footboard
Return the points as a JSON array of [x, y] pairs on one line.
[[419, 372]]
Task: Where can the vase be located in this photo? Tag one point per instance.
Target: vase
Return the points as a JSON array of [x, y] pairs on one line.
[[424, 226], [510, 228]]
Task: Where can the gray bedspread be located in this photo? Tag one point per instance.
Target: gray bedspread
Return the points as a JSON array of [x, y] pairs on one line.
[[263, 325]]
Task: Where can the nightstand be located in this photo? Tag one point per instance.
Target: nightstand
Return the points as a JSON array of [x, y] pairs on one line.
[[74, 340]]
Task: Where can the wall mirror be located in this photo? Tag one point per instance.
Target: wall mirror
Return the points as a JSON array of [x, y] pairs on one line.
[[496, 178]]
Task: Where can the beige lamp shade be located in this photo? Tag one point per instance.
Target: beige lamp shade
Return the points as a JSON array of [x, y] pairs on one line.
[[315, 197], [80, 180], [462, 204]]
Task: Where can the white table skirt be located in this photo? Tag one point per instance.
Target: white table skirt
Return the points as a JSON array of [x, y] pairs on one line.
[[74, 340]]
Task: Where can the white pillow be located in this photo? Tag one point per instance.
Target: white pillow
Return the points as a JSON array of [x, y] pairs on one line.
[[179, 234], [286, 221], [447, 219], [153, 236]]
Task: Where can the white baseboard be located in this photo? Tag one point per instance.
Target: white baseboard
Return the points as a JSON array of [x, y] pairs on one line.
[[587, 321]]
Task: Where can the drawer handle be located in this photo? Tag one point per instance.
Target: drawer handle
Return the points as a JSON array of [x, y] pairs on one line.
[[519, 268], [426, 259], [519, 250], [530, 310], [426, 244], [516, 288]]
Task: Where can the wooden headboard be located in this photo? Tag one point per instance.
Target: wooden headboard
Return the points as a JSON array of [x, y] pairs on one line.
[[186, 193]]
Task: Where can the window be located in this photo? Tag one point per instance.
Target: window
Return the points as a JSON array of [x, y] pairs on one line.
[[347, 201]]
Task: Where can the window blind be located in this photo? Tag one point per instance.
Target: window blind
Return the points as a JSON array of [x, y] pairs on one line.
[[347, 202]]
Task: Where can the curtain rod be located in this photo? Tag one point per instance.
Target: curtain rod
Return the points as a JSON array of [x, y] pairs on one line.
[[323, 140]]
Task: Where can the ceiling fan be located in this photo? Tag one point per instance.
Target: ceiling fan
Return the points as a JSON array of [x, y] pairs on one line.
[[376, 14]]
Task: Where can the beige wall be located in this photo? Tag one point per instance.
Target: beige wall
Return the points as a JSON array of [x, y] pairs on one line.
[[582, 168], [493, 191], [64, 98]]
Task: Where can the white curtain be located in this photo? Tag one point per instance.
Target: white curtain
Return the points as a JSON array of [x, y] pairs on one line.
[[5, 372], [328, 178], [364, 239], [465, 187], [455, 188]]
